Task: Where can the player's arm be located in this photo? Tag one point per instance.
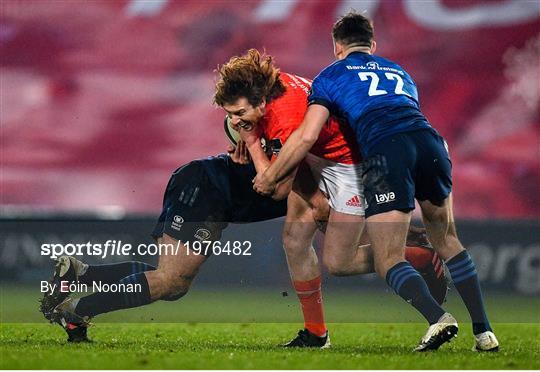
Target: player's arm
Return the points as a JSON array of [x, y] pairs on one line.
[[261, 163], [294, 150]]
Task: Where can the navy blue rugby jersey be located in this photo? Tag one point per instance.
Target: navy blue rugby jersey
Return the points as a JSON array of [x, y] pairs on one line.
[[373, 94]]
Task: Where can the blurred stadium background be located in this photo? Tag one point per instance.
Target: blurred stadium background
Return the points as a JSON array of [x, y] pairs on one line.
[[102, 99]]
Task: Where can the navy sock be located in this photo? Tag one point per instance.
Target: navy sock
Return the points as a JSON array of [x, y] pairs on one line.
[[465, 280], [410, 285], [104, 302], [112, 273]]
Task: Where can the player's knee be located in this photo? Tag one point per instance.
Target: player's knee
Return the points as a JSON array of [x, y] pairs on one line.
[[175, 291], [174, 296], [337, 270], [290, 244], [437, 216], [334, 266], [175, 285]]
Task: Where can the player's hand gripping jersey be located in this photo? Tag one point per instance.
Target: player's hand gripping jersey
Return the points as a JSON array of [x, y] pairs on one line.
[[376, 96], [334, 159]]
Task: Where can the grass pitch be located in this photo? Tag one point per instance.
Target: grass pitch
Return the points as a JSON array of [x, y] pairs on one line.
[[254, 346], [249, 326]]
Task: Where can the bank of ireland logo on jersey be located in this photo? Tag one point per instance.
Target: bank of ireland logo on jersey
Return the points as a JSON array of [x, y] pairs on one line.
[[385, 198], [177, 222], [202, 234]]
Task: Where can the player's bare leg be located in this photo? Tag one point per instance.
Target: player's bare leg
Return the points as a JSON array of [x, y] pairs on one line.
[[343, 255], [175, 272], [418, 251], [388, 233], [441, 230], [302, 260], [342, 259], [298, 232]]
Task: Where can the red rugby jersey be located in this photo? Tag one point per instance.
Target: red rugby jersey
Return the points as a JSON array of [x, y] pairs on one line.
[[285, 114]]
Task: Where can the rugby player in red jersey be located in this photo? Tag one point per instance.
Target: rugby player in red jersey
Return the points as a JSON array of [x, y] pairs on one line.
[[263, 102]]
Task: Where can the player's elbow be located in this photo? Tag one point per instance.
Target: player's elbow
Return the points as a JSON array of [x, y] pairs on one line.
[[308, 139]]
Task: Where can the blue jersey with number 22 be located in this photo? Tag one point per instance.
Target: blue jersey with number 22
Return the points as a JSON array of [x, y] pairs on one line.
[[375, 96]]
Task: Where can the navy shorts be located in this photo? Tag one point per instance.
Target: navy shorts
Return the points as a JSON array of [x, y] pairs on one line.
[[405, 166], [204, 196]]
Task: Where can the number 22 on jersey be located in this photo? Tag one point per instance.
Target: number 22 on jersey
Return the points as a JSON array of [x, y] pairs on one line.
[[374, 83]]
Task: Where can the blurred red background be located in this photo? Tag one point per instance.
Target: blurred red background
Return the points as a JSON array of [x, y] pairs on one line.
[[102, 99]]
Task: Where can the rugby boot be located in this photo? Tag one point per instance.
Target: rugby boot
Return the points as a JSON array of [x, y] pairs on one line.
[[75, 325], [486, 341], [67, 269], [307, 339], [438, 333]]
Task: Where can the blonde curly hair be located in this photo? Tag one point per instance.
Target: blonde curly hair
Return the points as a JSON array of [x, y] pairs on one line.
[[252, 76]]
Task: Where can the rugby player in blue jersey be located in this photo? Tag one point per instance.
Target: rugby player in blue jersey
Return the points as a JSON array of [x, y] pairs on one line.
[[404, 159]]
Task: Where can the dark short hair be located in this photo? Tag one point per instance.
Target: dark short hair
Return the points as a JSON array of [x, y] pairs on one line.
[[353, 29]]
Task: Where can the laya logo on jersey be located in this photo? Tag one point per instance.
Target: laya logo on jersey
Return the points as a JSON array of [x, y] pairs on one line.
[[177, 222], [385, 198]]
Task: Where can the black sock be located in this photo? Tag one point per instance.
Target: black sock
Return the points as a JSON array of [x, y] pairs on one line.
[[465, 280], [112, 273], [410, 285], [104, 302]]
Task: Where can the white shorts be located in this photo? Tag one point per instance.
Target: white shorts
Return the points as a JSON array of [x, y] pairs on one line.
[[340, 182]]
